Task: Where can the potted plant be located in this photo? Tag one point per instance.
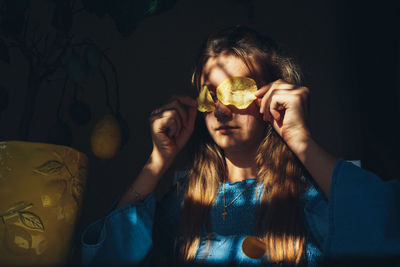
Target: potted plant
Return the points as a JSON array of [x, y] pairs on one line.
[[41, 184]]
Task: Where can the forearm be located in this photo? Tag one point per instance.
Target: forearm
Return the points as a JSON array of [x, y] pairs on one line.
[[146, 181], [319, 163]]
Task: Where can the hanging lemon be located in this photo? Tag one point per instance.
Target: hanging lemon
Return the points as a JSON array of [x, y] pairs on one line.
[[106, 137]]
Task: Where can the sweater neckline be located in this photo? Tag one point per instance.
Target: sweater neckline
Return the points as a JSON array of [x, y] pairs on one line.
[[238, 183]]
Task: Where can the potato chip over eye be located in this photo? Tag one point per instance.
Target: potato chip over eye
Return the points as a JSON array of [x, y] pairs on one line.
[[205, 102], [237, 91]]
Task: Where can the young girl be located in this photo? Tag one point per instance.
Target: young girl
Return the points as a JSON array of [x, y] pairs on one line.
[[259, 182]]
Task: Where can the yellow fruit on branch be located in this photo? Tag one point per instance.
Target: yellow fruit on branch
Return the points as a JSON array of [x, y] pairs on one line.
[[106, 137], [17, 239]]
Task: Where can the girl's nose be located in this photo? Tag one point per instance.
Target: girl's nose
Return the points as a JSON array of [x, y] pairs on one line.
[[222, 112]]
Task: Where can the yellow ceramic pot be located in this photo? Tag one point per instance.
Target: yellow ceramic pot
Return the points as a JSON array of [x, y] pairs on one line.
[[41, 188]]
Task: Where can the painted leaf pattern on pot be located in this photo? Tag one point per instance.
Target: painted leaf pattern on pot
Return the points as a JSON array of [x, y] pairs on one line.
[[19, 206], [50, 167], [31, 220]]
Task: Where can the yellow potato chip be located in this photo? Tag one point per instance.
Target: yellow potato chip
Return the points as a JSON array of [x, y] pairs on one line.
[[253, 247], [237, 91], [205, 102]]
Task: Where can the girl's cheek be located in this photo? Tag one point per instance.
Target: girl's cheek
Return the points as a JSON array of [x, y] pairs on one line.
[[208, 119]]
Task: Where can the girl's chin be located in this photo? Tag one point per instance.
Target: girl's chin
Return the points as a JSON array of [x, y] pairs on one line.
[[232, 146], [229, 144]]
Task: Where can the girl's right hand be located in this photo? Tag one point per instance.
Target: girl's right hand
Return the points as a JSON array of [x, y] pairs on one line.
[[171, 127]]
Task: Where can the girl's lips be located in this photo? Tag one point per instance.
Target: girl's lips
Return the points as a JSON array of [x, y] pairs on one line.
[[226, 129]]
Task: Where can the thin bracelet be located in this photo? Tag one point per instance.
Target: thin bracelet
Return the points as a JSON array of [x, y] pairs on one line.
[[138, 196]]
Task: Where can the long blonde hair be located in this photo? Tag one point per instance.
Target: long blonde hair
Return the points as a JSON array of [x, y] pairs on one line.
[[279, 171]]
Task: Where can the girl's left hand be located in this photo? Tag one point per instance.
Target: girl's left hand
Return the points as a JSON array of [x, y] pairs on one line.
[[285, 106]]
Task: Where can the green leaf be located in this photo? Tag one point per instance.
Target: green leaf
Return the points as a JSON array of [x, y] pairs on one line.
[[4, 55], [31, 220], [153, 7], [127, 14], [50, 167], [163, 5]]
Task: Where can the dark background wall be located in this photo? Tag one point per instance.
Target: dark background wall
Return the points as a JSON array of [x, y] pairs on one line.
[[349, 53]]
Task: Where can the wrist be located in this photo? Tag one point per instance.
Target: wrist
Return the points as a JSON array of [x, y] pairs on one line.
[[300, 142], [146, 182], [318, 162], [157, 164]]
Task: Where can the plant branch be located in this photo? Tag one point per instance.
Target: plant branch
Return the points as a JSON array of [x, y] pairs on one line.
[[56, 64], [114, 70], [106, 91]]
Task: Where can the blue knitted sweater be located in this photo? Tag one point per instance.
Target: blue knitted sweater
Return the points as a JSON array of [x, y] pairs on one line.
[[358, 224]]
